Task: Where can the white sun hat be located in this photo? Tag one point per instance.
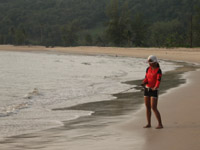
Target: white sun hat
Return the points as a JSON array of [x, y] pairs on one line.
[[152, 59]]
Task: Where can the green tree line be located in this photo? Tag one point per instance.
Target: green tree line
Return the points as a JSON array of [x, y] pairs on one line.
[[130, 23]]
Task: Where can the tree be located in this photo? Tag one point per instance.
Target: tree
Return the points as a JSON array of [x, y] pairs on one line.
[[20, 36], [88, 40], [101, 40], [167, 34], [2, 39], [112, 30], [139, 29], [125, 26], [119, 25], [197, 27], [10, 38], [69, 33]]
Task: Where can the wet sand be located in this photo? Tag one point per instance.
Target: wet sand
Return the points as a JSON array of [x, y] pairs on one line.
[[180, 113], [179, 107]]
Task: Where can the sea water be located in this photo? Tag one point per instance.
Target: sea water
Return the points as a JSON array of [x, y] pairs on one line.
[[33, 84]]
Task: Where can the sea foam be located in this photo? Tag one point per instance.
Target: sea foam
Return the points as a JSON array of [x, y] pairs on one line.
[[33, 84]]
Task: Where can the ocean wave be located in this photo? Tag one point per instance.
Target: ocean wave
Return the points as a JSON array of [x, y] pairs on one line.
[[15, 108], [12, 109], [31, 94]]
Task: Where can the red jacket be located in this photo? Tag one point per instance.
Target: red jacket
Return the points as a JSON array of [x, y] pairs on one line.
[[153, 77]]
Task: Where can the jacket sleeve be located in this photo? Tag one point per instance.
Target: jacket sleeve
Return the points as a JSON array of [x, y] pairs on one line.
[[145, 81], [158, 79]]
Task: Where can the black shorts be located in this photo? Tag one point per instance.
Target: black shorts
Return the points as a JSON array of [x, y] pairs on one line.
[[150, 93]]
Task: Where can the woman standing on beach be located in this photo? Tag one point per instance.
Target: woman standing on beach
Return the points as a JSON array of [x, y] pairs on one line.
[[151, 83]]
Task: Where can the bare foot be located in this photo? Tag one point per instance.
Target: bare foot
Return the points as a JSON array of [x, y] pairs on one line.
[[147, 126], [159, 127]]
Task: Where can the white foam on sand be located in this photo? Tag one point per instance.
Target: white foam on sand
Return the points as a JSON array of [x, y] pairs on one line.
[[32, 84]]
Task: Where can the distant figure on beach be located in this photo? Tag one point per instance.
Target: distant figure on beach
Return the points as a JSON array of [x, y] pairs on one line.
[[151, 84]]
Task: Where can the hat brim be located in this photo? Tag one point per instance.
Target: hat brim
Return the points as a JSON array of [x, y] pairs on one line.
[[151, 62]]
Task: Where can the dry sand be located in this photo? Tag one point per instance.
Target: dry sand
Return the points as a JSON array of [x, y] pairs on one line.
[[180, 107], [182, 54]]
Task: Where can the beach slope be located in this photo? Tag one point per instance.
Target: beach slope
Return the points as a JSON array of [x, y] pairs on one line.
[[179, 107]]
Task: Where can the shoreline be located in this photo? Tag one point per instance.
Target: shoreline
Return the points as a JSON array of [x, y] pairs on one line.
[[181, 122], [191, 55]]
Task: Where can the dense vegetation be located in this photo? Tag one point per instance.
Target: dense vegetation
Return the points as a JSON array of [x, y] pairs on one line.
[[141, 23]]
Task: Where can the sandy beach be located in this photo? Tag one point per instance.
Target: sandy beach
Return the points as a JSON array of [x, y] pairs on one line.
[[176, 54], [179, 107]]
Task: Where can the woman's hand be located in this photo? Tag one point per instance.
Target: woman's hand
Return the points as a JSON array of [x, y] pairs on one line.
[[143, 84], [154, 89]]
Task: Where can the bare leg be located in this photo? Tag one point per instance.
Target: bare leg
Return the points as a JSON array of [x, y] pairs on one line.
[[154, 102], [148, 111]]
